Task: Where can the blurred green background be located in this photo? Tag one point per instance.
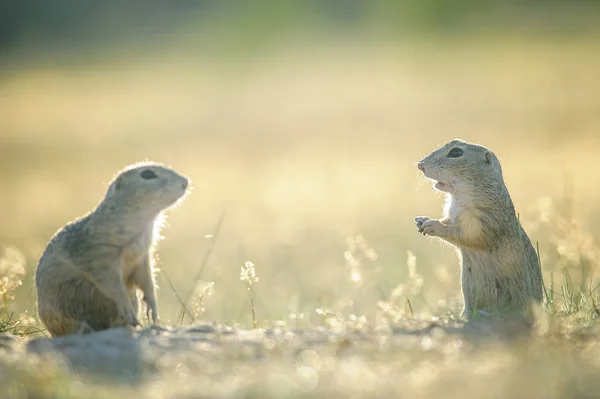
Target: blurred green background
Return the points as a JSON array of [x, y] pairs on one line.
[[302, 121]]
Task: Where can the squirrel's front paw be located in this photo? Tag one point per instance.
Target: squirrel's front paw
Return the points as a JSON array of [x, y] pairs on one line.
[[430, 227], [419, 220]]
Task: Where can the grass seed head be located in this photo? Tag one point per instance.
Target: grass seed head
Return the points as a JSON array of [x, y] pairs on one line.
[[248, 274]]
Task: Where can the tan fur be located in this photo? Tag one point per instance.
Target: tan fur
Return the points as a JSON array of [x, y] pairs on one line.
[[499, 266], [88, 277]]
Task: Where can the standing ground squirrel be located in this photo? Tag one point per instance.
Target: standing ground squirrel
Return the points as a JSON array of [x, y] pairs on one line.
[[500, 268], [88, 276]]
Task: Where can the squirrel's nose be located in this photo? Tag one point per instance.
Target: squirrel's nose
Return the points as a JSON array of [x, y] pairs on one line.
[[421, 166]]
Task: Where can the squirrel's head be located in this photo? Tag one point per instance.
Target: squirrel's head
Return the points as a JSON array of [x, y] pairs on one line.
[[460, 165], [147, 186]]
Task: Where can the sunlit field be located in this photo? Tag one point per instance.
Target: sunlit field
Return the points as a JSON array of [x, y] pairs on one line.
[[302, 160]]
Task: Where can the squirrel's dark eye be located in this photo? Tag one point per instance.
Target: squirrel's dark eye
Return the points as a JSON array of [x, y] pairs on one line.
[[148, 174], [455, 153]]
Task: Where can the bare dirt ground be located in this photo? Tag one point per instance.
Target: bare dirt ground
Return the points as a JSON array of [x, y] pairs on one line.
[[424, 359]]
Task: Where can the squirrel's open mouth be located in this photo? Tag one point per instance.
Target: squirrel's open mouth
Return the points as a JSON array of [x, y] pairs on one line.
[[440, 186]]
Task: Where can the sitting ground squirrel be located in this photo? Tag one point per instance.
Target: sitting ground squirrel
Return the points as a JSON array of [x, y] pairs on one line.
[[500, 267], [88, 276]]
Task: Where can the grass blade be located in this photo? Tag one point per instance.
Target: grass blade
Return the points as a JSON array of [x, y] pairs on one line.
[[209, 250]]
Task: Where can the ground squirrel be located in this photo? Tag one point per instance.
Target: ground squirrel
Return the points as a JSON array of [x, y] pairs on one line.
[[500, 267], [88, 276]]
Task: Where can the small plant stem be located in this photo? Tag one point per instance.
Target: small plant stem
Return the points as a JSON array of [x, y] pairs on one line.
[[188, 297], [185, 309], [4, 306], [552, 289], [252, 305], [410, 306]]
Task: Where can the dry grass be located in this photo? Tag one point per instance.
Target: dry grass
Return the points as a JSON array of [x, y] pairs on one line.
[[311, 153]]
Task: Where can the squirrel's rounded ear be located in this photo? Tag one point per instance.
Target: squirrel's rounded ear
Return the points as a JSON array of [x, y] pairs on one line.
[[489, 158]]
